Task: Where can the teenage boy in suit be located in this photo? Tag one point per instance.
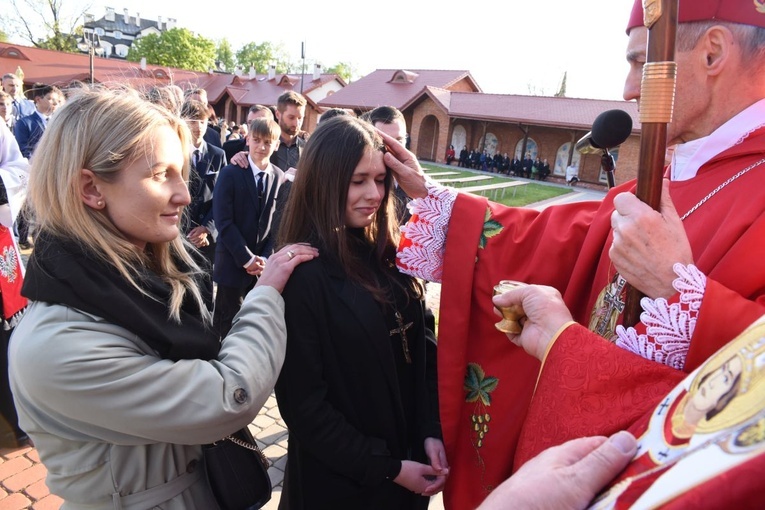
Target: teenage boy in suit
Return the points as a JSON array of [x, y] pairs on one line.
[[247, 205], [206, 162], [29, 129]]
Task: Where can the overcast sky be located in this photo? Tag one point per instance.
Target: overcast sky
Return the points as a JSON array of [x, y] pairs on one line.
[[510, 46]]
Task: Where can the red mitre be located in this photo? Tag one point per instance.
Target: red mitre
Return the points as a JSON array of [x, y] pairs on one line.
[[745, 12]]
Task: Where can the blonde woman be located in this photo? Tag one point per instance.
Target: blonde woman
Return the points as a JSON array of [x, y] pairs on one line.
[[115, 371]]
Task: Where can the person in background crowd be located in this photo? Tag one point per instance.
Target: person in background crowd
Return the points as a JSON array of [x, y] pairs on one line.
[[28, 131], [206, 162], [20, 105], [14, 173], [450, 155], [234, 147], [464, 154], [247, 207], [212, 136], [168, 96], [290, 111], [6, 109]]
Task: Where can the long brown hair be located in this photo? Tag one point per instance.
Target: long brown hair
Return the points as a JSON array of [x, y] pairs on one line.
[[315, 211]]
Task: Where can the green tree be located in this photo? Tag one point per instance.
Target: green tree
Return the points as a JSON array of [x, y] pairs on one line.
[[262, 55], [177, 47], [224, 55], [60, 42], [343, 70], [3, 36], [45, 24]]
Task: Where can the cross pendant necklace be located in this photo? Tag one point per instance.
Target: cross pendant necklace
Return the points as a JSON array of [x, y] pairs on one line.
[[401, 330]]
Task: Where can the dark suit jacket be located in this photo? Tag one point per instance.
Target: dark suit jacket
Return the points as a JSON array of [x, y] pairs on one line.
[[28, 131], [231, 147], [238, 224], [201, 185], [212, 137], [340, 395]]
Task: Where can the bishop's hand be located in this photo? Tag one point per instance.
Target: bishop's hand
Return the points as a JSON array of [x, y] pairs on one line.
[[545, 313], [648, 243], [405, 167]]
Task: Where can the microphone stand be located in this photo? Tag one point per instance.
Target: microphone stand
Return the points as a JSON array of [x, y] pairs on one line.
[[607, 162]]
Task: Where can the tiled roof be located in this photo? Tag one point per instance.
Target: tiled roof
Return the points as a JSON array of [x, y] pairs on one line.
[[393, 87], [537, 110], [57, 68], [440, 96], [259, 90]]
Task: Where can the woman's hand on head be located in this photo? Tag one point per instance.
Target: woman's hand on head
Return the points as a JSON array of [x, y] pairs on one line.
[[545, 313], [281, 264], [405, 167]]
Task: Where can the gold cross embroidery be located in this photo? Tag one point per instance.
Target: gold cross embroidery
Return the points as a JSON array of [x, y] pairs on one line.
[[614, 305], [401, 330]]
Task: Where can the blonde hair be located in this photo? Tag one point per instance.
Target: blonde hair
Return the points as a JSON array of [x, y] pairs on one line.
[[103, 131]]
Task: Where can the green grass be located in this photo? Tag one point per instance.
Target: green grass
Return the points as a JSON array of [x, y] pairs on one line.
[[514, 196]]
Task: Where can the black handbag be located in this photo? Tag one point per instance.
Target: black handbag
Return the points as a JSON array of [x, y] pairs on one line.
[[238, 472]]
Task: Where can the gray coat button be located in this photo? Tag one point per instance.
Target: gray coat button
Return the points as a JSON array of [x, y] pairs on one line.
[[240, 395]]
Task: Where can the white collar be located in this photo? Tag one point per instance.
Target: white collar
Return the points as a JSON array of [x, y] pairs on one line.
[[202, 148], [691, 156], [268, 170]]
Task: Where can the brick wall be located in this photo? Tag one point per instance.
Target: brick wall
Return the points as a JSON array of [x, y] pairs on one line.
[[428, 116]]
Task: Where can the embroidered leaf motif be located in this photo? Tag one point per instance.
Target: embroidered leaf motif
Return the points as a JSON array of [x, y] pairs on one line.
[[478, 387], [473, 379], [490, 229], [489, 384]]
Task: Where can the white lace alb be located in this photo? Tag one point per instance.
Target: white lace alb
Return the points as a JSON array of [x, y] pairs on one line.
[[424, 258], [669, 327]]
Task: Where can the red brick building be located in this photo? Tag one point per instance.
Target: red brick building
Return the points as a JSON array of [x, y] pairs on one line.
[[445, 108], [441, 107], [230, 94]]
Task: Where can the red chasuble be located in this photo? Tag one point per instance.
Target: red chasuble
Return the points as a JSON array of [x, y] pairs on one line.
[[713, 459], [485, 382]]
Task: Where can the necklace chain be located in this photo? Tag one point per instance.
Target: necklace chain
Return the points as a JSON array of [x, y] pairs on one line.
[[721, 186]]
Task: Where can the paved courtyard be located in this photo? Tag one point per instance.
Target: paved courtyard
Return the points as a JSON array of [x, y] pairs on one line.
[[22, 476]]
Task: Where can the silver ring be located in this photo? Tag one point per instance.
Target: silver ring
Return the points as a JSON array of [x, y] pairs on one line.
[[290, 254]]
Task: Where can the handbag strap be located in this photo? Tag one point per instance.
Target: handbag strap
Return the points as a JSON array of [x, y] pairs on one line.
[[250, 446]]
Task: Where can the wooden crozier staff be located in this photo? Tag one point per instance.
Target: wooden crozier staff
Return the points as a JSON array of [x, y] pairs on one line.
[[657, 96]]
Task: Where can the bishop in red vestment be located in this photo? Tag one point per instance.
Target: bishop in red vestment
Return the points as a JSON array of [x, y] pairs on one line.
[[712, 221]]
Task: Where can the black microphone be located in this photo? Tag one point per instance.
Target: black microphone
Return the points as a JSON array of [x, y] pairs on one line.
[[610, 129]]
